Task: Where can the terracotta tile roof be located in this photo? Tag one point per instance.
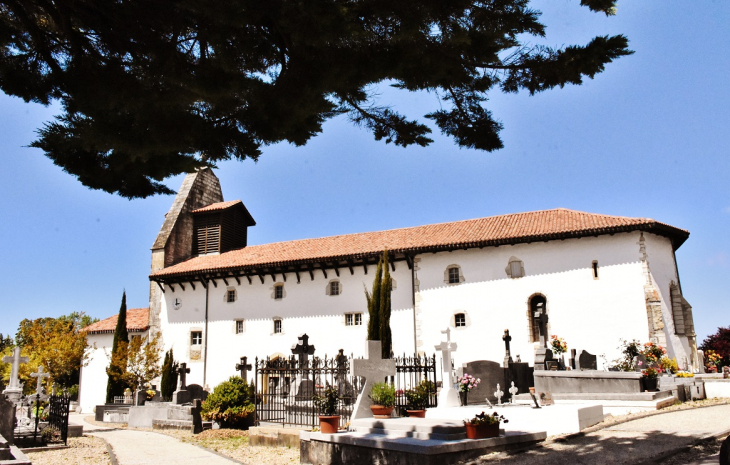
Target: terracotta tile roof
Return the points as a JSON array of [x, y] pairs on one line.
[[515, 228], [138, 319], [217, 206]]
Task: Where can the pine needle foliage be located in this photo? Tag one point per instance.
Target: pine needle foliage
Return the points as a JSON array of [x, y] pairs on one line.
[[149, 90], [115, 385], [385, 288], [373, 299], [168, 383]]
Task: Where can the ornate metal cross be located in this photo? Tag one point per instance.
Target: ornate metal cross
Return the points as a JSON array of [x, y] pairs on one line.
[[243, 367], [182, 371]]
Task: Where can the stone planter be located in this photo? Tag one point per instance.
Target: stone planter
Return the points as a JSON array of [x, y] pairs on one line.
[[381, 412], [329, 424], [463, 397], [416, 413], [482, 431], [650, 384]]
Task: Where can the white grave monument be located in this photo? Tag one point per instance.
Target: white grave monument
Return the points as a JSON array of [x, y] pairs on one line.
[[374, 369], [448, 397], [513, 391], [498, 394], [39, 382], [14, 391]]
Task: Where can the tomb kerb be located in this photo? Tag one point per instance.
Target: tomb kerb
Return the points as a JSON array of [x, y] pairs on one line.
[[374, 369]]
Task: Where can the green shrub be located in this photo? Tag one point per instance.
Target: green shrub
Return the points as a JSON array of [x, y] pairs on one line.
[[231, 404], [383, 394], [327, 402], [73, 392]]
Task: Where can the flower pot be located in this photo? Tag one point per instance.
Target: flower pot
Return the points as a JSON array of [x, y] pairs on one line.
[[650, 384], [482, 431], [380, 411], [329, 424], [416, 413], [463, 397]]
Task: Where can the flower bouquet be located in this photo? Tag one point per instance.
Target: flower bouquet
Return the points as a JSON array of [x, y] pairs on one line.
[[558, 345], [466, 383], [653, 353]]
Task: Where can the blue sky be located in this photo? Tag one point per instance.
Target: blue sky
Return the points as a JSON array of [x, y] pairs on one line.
[[648, 137]]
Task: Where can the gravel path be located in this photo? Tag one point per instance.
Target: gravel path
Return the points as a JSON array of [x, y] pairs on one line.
[[632, 442]]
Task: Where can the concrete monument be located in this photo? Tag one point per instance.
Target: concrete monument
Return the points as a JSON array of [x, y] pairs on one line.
[[374, 369], [448, 397]]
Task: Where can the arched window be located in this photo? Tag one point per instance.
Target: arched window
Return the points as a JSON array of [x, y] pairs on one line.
[[453, 275], [459, 320], [537, 306]]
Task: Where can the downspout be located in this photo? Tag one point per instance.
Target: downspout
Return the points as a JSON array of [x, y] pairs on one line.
[[205, 343], [413, 295]]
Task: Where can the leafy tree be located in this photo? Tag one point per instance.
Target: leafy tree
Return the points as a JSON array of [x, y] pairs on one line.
[[720, 343], [57, 344], [168, 383], [115, 385], [135, 363], [154, 89], [385, 288], [5, 341]]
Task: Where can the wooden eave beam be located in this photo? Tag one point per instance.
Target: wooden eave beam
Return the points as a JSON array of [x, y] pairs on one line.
[[202, 281], [337, 271], [311, 272], [172, 288], [283, 275], [162, 286], [215, 284], [365, 266], [409, 261], [182, 285], [248, 276], [324, 272], [261, 277], [192, 283], [392, 264], [299, 280], [349, 265], [238, 280], [225, 280], [273, 277]]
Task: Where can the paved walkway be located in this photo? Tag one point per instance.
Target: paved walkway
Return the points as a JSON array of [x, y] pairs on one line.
[[132, 447], [633, 442]]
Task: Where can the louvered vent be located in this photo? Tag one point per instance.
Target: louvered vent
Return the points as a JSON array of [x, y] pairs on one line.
[[207, 234], [220, 227]]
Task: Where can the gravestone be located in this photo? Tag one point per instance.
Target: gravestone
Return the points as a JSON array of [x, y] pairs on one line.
[[140, 397], [512, 393], [507, 356], [587, 361], [498, 394], [14, 390], [181, 395], [197, 419], [448, 397], [522, 374], [303, 349], [542, 353], [701, 360], [374, 369], [196, 391], [640, 362], [7, 418], [39, 391], [490, 373], [243, 367]]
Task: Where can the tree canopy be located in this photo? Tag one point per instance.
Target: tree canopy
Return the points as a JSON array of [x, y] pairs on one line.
[[719, 342], [151, 89]]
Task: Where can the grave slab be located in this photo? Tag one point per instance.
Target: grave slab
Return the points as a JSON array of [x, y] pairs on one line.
[[717, 387], [587, 381]]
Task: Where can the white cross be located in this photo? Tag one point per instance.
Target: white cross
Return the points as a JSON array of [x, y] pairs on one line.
[[498, 394], [16, 360], [513, 390], [448, 397], [39, 383], [374, 369]]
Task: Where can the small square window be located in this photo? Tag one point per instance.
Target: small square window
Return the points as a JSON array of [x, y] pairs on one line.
[[349, 320], [358, 319], [459, 320], [231, 297], [196, 338], [277, 326], [278, 292], [454, 277], [335, 288], [239, 326]]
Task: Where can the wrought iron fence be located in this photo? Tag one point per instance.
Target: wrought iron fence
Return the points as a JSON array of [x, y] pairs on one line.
[[35, 413], [285, 387], [412, 372], [58, 410]]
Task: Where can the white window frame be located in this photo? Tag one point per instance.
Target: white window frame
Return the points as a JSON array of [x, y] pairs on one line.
[[278, 326], [457, 320], [240, 327], [278, 288], [230, 296], [353, 319], [193, 338]]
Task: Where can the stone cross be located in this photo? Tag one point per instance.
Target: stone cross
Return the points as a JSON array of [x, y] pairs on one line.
[[448, 397], [16, 360], [303, 350], [498, 394], [507, 356], [39, 383], [513, 391], [243, 367], [182, 371], [543, 322], [374, 369]]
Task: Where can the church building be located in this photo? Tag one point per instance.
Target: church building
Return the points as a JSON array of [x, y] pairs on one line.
[[599, 278]]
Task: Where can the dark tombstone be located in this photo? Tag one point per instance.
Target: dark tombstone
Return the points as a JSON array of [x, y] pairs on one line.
[[343, 386], [490, 373], [7, 418], [507, 356], [182, 395], [182, 372], [542, 353], [196, 391], [140, 397], [572, 359], [725, 452], [640, 363], [303, 350], [587, 361], [197, 419], [522, 374], [243, 367]]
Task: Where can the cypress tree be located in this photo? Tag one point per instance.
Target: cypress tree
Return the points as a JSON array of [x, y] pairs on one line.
[[168, 383], [385, 288], [374, 305], [114, 387]]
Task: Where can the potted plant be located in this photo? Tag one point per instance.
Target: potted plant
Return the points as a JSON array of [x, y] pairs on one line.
[[466, 383], [483, 425], [650, 378], [326, 403], [383, 397], [417, 399]]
